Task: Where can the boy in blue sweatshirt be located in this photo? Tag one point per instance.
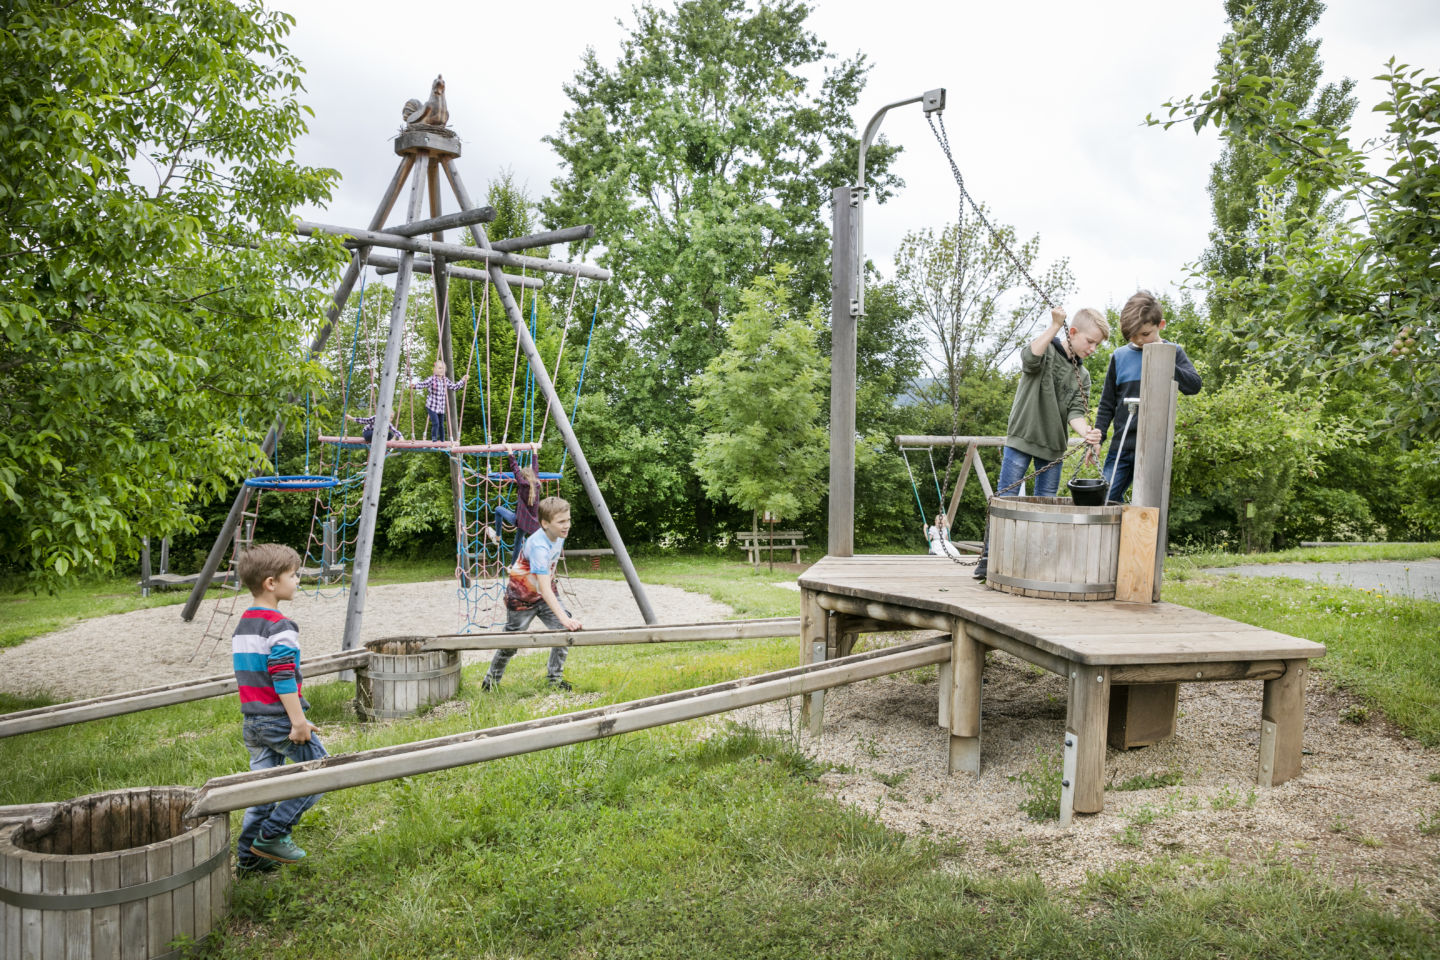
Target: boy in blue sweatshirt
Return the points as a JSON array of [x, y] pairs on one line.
[[1141, 321]]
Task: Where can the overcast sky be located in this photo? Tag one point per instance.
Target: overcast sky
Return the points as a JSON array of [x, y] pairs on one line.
[[1046, 101]]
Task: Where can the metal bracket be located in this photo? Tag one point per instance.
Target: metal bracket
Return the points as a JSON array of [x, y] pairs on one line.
[[933, 101], [1070, 759]]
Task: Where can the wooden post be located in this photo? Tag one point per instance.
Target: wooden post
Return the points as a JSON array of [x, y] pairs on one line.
[[144, 566], [342, 294], [441, 279], [1135, 571], [814, 635], [327, 549], [164, 555], [967, 662], [1085, 723], [1282, 724], [384, 404], [1150, 713], [844, 202], [557, 409]]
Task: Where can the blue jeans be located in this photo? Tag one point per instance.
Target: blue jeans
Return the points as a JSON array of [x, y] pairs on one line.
[[1016, 465], [437, 424], [1124, 471], [519, 620], [268, 740]]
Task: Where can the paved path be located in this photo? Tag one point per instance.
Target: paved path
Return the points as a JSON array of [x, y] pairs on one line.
[[1409, 578]]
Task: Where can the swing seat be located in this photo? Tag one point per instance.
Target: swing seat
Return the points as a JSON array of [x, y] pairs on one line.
[[302, 481]]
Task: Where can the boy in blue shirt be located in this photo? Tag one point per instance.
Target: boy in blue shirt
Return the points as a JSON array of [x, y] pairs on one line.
[[1141, 320], [266, 653], [530, 590]]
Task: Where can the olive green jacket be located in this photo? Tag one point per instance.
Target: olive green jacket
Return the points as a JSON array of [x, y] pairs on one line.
[[1046, 400]]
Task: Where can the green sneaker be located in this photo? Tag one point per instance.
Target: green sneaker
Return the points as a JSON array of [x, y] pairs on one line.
[[280, 849], [561, 684], [250, 865]]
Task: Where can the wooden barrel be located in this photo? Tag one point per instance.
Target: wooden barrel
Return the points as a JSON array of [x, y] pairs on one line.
[[1049, 547], [113, 875], [400, 679]]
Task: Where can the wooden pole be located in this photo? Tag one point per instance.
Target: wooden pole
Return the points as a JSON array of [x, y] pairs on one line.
[[144, 566], [454, 251], [388, 763], [544, 238], [342, 294], [134, 701], [562, 422], [384, 404], [1154, 440], [385, 265], [679, 633], [845, 202], [437, 224]]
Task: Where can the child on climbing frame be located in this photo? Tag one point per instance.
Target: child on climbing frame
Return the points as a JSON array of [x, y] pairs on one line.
[[265, 650], [525, 518], [436, 386], [938, 534], [530, 590], [369, 424], [1141, 320], [1052, 398]]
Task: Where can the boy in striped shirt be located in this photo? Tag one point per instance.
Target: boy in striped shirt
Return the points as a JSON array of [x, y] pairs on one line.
[[265, 650], [436, 387]]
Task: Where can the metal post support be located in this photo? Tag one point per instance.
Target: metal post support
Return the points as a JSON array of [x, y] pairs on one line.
[[342, 295], [384, 404], [562, 422], [844, 202]]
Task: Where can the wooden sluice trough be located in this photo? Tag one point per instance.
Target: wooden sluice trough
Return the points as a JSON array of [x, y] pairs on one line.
[[400, 678], [113, 875]]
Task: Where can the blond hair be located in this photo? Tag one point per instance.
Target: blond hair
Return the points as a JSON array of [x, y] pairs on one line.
[[263, 561], [1140, 311], [1093, 317], [552, 507]]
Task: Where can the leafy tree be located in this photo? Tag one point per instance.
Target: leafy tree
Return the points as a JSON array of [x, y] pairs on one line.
[[704, 159], [1283, 48], [765, 446], [154, 304], [1339, 297]]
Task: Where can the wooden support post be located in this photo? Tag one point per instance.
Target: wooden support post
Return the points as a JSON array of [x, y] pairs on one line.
[[384, 404], [145, 566], [342, 294], [1142, 714], [1085, 722], [1282, 724], [814, 636], [557, 409], [966, 465], [844, 201], [327, 549], [164, 555], [967, 662], [441, 279], [946, 683]]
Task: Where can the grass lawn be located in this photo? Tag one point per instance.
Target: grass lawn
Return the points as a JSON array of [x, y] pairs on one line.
[[703, 840]]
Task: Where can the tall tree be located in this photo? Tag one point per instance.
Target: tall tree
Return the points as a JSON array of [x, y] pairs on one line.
[[759, 401], [154, 302], [1283, 48], [704, 159]]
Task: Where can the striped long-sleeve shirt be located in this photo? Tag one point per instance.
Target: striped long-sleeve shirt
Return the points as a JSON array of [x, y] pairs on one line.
[[265, 650]]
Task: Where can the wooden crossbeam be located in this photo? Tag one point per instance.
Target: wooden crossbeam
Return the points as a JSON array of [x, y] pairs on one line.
[[678, 633]]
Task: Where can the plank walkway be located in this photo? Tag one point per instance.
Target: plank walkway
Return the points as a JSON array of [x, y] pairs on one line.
[[1097, 645]]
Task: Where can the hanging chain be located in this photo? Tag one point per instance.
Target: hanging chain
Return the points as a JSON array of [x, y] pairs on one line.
[[943, 138]]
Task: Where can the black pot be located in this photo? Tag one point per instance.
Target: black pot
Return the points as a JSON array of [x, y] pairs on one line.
[[1089, 491]]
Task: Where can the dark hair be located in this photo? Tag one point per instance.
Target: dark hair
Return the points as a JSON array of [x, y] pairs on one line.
[[265, 560], [1140, 311]]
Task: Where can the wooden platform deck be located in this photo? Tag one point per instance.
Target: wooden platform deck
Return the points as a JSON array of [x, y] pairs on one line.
[[1100, 646]]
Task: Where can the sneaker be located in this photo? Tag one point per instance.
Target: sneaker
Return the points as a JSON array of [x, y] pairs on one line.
[[979, 573], [247, 864], [487, 684], [281, 849], [561, 684]]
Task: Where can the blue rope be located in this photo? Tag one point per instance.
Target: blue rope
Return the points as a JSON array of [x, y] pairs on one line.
[[575, 407], [913, 485]]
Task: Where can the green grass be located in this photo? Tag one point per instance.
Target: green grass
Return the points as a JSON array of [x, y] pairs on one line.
[[1384, 648], [1180, 564], [710, 841]]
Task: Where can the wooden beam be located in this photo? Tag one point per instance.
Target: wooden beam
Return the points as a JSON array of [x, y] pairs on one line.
[[844, 246], [449, 221], [1167, 673], [677, 633], [1135, 575], [134, 701], [442, 753], [385, 265], [909, 440], [544, 238], [1282, 724], [967, 662], [1085, 721], [451, 251]]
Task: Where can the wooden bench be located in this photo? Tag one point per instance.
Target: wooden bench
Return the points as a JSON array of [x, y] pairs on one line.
[[594, 553], [766, 543]]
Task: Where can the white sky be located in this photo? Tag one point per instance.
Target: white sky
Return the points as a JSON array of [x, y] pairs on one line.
[[1046, 101]]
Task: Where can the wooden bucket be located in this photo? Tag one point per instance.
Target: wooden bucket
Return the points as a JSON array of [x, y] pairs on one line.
[[112, 875], [400, 679], [1049, 547]]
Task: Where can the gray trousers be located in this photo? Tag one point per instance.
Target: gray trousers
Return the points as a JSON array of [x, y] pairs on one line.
[[519, 620]]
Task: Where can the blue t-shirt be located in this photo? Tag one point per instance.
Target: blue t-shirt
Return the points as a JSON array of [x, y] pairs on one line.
[[538, 557]]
